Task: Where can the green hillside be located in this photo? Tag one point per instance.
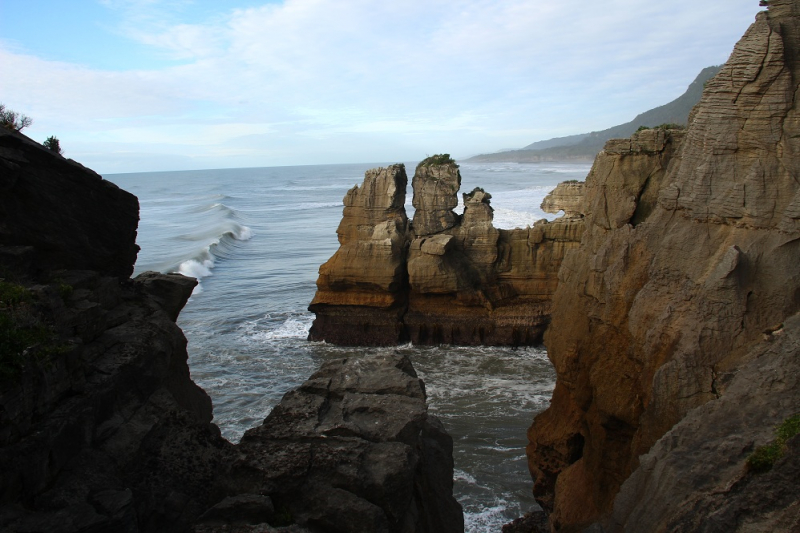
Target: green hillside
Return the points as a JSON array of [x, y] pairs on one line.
[[586, 145]]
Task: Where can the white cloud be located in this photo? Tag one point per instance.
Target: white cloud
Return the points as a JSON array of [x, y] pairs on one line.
[[509, 72]]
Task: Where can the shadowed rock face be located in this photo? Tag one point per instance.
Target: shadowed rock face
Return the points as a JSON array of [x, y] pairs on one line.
[[102, 428], [353, 449], [81, 222], [446, 278], [690, 254]]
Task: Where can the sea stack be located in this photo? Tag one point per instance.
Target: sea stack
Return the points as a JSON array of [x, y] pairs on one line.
[[675, 323], [444, 278]]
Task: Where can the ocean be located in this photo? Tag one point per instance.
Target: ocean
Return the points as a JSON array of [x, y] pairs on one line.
[[255, 239]]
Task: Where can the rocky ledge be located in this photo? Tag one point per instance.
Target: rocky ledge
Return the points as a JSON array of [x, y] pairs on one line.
[[441, 278], [102, 428]]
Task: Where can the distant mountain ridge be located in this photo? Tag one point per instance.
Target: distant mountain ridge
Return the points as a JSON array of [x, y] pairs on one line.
[[587, 145]]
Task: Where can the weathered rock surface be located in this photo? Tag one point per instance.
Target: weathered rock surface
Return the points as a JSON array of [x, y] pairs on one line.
[[102, 428], [697, 466], [367, 275], [566, 197], [688, 257], [456, 279], [353, 449], [435, 196]]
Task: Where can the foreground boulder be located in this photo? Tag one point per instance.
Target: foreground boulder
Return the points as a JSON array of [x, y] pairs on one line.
[[444, 278], [353, 449], [673, 332]]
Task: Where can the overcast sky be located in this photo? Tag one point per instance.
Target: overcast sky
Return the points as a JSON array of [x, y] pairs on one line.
[[140, 85]]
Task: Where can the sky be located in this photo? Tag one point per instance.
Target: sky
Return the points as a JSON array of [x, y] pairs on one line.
[[149, 85]]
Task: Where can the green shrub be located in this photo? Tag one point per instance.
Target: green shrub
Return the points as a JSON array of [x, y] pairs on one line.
[[438, 159], [671, 126], [51, 143], [665, 126], [12, 294], [13, 120], [22, 332], [764, 457]]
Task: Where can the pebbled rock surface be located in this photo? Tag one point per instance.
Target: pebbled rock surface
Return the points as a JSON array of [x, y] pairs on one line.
[[102, 428], [454, 279], [353, 449], [689, 256]]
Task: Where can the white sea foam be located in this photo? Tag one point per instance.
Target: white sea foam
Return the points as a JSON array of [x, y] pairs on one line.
[[277, 328], [196, 269], [488, 519], [460, 475]]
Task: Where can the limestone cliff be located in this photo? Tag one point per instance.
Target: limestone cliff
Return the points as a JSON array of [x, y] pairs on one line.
[[666, 377], [443, 278], [102, 428]]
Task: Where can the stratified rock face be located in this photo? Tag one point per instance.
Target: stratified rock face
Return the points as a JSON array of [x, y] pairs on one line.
[[435, 196], [81, 222], [360, 290], [353, 449], [690, 253], [716, 493], [448, 279], [566, 197]]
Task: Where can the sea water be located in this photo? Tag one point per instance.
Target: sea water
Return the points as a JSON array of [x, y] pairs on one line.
[[255, 239]]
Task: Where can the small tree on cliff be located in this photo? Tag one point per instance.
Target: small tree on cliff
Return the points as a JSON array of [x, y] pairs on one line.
[[51, 143], [13, 120]]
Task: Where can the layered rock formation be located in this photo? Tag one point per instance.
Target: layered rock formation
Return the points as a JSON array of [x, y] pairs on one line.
[[673, 330], [353, 449], [443, 278], [102, 428], [367, 275]]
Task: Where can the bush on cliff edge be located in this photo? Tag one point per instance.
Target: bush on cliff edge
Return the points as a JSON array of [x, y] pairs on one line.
[[764, 457]]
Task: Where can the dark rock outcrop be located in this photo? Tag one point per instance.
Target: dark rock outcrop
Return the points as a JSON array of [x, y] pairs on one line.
[[80, 220], [102, 428], [353, 449], [446, 278], [664, 320]]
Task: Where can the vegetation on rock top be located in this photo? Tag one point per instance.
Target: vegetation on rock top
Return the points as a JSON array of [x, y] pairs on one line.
[[438, 159], [666, 126], [13, 120]]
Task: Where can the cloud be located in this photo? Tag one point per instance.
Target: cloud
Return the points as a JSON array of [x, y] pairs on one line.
[[506, 71]]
